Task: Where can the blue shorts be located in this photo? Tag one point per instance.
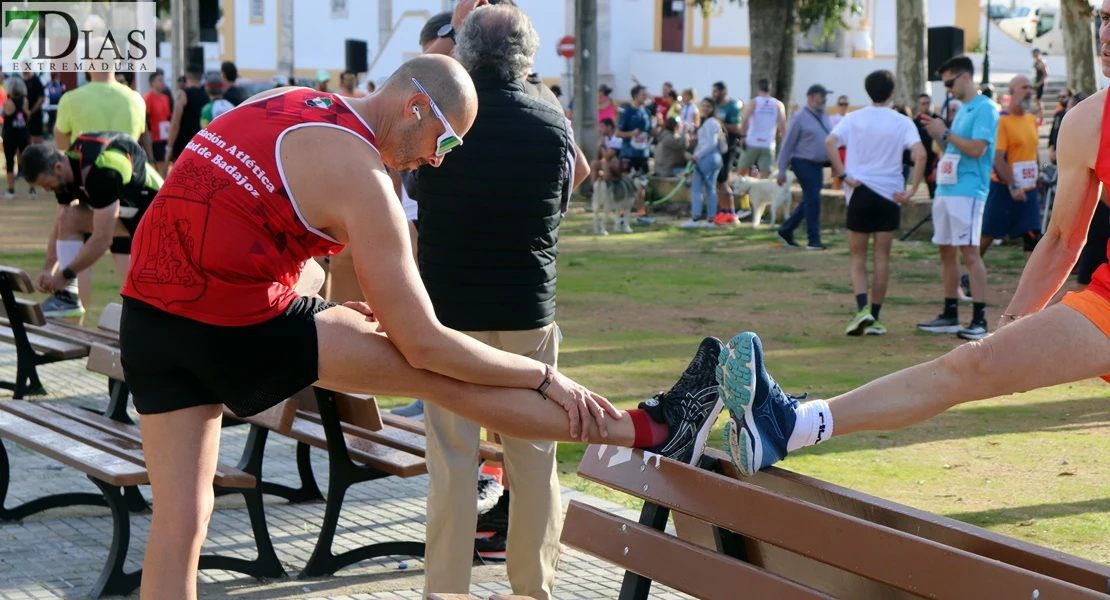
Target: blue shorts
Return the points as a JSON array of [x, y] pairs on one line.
[[1006, 217]]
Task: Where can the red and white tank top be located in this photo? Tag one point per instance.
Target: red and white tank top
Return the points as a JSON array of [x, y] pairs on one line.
[[224, 242]]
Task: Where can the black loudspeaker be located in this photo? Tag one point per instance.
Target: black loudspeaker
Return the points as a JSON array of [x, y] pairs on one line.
[[356, 56], [944, 43], [195, 57]]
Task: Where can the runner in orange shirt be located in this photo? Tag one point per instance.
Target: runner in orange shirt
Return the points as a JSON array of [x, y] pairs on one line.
[[1013, 208]]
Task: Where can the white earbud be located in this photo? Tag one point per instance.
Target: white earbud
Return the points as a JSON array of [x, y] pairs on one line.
[[416, 111]]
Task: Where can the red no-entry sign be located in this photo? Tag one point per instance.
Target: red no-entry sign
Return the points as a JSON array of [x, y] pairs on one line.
[[565, 46]]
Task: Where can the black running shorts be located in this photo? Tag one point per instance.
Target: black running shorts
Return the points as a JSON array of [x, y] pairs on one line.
[[172, 362], [1094, 253], [869, 212], [159, 150]]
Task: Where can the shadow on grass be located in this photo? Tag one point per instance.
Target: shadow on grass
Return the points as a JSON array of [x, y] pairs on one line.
[[1021, 514], [980, 421]]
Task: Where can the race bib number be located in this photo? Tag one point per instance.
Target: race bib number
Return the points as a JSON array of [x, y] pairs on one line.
[[164, 130], [946, 169], [1025, 174], [641, 142]]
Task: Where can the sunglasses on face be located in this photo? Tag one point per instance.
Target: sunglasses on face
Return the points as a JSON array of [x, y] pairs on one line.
[[449, 140], [844, 104], [948, 83]]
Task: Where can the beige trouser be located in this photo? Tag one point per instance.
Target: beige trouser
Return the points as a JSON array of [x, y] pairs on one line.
[[535, 509]]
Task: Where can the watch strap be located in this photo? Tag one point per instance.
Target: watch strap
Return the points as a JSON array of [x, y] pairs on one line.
[[548, 376], [68, 273]]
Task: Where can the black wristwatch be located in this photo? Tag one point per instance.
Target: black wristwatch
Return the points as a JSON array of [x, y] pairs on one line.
[[947, 132], [69, 274], [447, 31], [842, 176]]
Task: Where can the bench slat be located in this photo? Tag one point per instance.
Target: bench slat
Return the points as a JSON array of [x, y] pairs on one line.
[[101, 465], [402, 439], [60, 330], [487, 450], [670, 561], [278, 418], [943, 530], [17, 279], [900, 560], [48, 346], [226, 476], [29, 312], [380, 457]]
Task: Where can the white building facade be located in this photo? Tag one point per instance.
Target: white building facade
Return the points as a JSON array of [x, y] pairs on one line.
[[645, 41]]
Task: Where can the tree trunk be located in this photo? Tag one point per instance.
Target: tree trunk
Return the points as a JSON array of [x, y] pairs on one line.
[[1079, 44], [910, 77], [774, 44], [285, 65]]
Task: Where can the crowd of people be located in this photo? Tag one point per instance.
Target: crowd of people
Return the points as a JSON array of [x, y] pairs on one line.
[[215, 206]]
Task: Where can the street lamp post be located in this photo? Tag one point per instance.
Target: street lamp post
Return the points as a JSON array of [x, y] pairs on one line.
[[987, 48]]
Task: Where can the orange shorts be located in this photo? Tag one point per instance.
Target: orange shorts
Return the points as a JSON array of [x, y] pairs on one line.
[[1095, 307]]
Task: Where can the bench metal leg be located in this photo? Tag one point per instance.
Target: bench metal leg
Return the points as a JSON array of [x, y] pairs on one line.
[[342, 474], [251, 462], [134, 499], [323, 562], [37, 505], [118, 393], [26, 378], [637, 587], [266, 564], [113, 579]]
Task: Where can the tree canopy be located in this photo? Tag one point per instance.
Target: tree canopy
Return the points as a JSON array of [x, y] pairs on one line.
[[829, 13]]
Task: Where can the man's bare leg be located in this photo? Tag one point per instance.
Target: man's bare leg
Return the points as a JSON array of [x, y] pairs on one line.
[[181, 450], [1010, 361], [884, 240], [356, 357]]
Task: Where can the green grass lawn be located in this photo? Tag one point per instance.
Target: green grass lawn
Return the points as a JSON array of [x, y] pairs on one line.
[[634, 307]]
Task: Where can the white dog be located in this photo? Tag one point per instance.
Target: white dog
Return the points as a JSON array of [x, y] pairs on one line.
[[763, 193], [616, 197]]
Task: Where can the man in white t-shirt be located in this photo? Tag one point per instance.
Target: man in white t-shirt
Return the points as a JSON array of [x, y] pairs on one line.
[[764, 121], [876, 137], [608, 163]]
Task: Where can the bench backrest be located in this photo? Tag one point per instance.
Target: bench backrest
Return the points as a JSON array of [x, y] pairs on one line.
[[109, 318], [820, 546], [14, 281]]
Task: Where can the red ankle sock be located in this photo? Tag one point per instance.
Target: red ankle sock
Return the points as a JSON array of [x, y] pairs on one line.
[[649, 433]]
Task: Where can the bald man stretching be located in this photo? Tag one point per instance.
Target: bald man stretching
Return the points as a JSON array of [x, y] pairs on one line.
[[211, 315]]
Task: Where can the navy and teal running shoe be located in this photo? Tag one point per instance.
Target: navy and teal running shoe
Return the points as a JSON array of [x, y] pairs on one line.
[[763, 416]]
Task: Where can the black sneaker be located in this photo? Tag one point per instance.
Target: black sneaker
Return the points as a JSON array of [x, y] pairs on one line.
[[787, 238], [691, 407], [492, 547], [977, 330], [941, 324], [496, 519]]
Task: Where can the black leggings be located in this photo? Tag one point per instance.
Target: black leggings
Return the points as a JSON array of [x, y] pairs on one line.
[[13, 146]]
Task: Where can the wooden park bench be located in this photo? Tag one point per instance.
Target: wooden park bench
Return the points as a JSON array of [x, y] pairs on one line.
[[783, 535], [362, 443], [110, 454], [38, 341]]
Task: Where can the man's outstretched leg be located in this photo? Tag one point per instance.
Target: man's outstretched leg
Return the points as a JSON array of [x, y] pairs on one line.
[[354, 356], [767, 423]]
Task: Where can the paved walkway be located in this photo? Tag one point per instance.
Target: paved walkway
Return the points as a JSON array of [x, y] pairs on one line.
[[59, 554]]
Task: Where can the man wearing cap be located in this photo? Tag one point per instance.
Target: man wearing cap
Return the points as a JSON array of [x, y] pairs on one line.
[[804, 151]]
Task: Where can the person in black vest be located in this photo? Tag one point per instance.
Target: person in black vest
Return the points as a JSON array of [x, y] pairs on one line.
[[487, 250], [187, 104]]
